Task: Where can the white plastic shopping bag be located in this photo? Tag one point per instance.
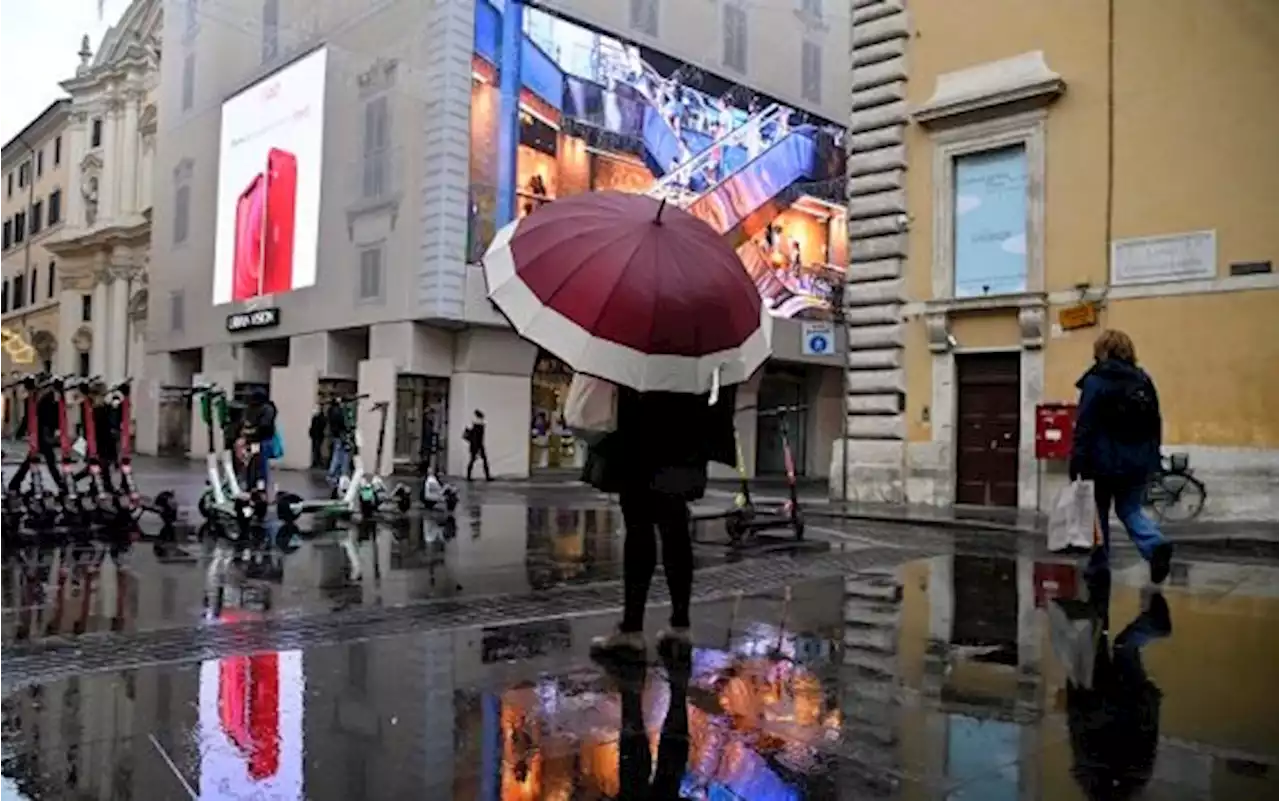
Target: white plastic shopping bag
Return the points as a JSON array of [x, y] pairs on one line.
[[591, 407], [1073, 519], [1074, 632]]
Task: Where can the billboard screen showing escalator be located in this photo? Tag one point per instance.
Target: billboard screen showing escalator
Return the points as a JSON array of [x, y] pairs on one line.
[[594, 112]]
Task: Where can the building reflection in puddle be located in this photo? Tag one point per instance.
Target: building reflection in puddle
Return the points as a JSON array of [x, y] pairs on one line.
[[754, 717]]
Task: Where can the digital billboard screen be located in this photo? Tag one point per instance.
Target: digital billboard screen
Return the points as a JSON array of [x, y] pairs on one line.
[[269, 172], [598, 113]]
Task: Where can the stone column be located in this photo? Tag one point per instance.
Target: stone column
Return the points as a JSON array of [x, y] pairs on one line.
[[872, 459], [68, 324], [129, 172], [101, 296], [109, 183], [117, 327]]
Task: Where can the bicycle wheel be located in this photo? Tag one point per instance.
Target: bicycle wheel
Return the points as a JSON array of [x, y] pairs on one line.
[[1176, 497]]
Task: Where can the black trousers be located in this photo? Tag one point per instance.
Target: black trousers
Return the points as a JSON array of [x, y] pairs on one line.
[[317, 453], [50, 459], [643, 512], [483, 455], [640, 781]]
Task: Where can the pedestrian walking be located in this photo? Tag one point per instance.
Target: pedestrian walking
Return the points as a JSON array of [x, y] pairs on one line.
[[474, 435], [259, 428], [1117, 446], [339, 450], [319, 426]]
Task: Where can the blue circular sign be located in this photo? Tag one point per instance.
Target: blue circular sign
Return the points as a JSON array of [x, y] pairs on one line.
[[819, 343]]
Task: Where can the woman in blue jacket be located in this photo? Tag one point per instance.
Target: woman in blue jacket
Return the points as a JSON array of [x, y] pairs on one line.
[[1117, 446]]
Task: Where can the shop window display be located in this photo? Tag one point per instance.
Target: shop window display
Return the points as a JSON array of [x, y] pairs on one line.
[[552, 445]]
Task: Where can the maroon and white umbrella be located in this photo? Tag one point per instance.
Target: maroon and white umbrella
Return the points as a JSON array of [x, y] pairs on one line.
[[628, 289]]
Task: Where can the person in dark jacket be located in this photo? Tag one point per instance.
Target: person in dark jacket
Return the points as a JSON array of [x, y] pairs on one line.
[[474, 435], [316, 432], [1117, 446], [47, 434], [656, 461], [339, 439], [259, 427]]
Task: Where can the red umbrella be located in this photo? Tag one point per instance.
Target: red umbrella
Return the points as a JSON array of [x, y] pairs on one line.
[[626, 288]]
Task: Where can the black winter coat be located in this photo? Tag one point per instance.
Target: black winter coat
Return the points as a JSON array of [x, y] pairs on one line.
[[663, 443]]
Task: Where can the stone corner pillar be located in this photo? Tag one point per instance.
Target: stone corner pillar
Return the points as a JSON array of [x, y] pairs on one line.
[[294, 390], [872, 458], [377, 379]]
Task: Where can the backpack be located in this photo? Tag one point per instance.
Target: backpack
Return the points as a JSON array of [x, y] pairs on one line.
[[1135, 411]]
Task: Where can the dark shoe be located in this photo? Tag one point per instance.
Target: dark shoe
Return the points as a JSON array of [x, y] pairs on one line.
[[620, 645], [1157, 615], [1161, 556]]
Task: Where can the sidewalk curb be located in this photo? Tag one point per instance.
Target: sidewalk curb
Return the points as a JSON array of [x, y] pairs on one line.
[[1176, 533]]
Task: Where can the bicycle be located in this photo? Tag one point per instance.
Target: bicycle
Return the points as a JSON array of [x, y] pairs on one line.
[[1173, 494]]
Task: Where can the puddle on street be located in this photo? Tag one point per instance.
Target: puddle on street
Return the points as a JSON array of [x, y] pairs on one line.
[[957, 677]]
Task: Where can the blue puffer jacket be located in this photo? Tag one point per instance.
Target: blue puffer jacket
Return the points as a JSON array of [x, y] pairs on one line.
[[1101, 450]]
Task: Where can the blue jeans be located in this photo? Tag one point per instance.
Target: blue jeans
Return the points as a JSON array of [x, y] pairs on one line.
[[1127, 499], [339, 462]]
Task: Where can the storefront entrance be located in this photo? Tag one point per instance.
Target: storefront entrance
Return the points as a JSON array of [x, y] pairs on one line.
[[551, 446], [422, 420], [782, 386]]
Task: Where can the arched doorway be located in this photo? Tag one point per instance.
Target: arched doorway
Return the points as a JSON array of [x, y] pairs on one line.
[[551, 446]]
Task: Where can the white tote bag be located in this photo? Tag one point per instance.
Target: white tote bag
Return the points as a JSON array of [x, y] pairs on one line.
[[591, 407], [1074, 518]]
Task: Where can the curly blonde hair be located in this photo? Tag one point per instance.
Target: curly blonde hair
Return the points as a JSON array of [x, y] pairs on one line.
[[1117, 345]]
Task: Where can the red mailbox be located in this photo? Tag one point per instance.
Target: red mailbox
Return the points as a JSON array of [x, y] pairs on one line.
[[1055, 423]]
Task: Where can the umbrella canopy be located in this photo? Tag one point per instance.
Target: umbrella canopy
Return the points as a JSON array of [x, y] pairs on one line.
[[626, 288]]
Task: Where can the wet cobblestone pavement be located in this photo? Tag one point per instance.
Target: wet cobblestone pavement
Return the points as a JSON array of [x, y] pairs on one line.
[[452, 662]]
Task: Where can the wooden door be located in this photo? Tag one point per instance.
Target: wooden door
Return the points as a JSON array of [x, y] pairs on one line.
[[988, 410]]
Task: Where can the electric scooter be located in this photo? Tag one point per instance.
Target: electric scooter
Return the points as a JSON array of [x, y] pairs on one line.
[[362, 491], [97, 503], [747, 518], [12, 508], [129, 502], [38, 504], [372, 491], [222, 501], [76, 510]]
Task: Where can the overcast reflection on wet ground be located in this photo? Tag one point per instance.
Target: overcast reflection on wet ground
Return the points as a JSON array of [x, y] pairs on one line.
[[959, 676]]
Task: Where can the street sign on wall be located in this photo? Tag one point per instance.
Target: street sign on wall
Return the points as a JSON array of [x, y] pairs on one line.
[[817, 338]]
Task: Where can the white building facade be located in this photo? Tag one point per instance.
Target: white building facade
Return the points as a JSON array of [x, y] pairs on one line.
[[103, 249]]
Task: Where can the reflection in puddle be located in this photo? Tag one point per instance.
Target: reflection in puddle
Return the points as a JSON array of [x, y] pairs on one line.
[[744, 722]]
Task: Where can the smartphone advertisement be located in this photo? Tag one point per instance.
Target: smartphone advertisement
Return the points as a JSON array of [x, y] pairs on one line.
[[250, 735], [268, 213]]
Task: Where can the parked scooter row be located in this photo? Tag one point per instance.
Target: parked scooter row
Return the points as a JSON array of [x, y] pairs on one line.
[[239, 499], [79, 499]]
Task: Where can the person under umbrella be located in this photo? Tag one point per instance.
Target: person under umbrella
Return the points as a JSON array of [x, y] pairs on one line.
[[647, 297]]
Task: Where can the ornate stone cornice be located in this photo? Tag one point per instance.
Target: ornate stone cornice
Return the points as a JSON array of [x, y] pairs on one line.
[[380, 76]]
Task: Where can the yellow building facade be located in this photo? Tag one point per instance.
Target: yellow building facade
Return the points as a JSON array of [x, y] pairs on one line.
[[1111, 161]]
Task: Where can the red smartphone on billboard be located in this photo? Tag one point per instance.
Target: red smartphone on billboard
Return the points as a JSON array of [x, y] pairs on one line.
[[281, 200], [246, 274]]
